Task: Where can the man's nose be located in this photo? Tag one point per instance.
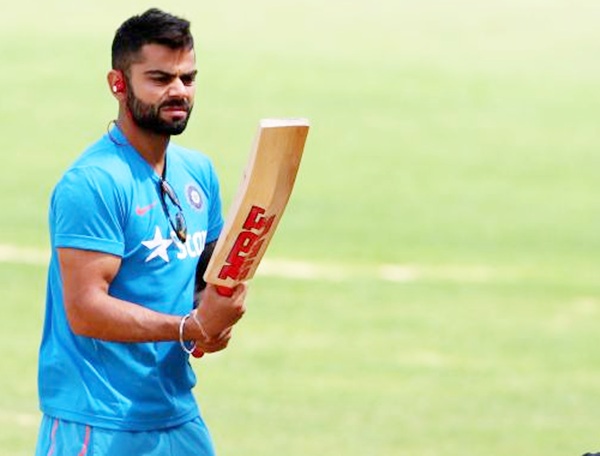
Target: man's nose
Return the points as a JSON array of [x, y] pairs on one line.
[[177, 89]]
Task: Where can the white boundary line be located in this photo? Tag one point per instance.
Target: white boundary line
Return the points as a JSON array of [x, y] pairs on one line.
[[30, 420], [23, 255], [304, 270]]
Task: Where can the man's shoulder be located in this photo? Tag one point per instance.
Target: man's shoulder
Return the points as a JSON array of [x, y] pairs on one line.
[[187, 153], [193, 160], [102, 153], [99, 162]]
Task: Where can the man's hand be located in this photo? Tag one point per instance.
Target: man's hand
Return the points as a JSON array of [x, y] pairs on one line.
[[211, 345], [216, 314]]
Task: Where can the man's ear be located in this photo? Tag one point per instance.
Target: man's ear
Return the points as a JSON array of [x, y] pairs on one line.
[[116, 83]]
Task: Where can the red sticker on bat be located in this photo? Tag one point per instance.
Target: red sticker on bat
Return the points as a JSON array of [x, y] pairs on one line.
[[247, 245]]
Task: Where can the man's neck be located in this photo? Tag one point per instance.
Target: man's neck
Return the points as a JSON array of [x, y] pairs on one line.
[[151, 146]]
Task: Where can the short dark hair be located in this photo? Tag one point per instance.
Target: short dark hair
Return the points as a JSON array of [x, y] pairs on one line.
[[152, 27]]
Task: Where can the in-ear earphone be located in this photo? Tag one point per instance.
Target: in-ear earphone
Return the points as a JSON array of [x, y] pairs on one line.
[[118, 86]]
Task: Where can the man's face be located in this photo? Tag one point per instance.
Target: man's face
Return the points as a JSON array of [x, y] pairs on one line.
[[161, 88]]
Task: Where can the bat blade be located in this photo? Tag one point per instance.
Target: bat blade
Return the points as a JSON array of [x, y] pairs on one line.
[[261, 199]]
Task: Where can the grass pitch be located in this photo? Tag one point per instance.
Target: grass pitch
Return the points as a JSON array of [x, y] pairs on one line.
[[455, 140]]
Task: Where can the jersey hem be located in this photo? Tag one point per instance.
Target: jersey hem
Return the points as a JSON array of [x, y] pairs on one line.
[[119, 424]]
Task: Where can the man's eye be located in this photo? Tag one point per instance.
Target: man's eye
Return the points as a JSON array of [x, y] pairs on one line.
[[188, 80]]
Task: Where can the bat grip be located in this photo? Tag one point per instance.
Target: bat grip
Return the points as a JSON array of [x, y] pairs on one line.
[[223, 291]]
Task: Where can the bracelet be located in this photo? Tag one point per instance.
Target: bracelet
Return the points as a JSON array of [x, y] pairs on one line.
[[184, 347], [199, 323]]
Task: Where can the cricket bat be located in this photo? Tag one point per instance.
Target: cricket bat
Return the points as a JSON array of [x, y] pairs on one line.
[[262, 196]]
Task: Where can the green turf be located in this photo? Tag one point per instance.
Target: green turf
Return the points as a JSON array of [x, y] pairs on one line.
[[458, 138]]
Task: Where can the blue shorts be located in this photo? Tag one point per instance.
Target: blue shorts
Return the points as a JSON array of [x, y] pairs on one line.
[[66, 438]]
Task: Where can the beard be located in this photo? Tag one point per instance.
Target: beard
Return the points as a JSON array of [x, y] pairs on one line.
[[147, 116]]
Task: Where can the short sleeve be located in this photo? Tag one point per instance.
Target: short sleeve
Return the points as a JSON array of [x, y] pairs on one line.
[[85, 212], [215, 214]]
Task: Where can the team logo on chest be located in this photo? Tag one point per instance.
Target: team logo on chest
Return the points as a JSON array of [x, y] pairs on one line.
[[194, 196], [159, 246]]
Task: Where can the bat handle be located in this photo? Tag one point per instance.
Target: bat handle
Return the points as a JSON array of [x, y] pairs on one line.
[[223, 291]]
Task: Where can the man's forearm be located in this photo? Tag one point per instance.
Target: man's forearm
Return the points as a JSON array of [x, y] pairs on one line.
[[111, 319]]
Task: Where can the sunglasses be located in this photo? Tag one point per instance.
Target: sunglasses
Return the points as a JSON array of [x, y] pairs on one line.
[[178, 221]]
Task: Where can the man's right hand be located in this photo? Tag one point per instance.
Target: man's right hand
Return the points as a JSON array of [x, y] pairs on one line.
[[216, 314]]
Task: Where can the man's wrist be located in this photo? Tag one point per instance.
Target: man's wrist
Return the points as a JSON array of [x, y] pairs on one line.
[[198, 321], [194, 329], [183, 340]]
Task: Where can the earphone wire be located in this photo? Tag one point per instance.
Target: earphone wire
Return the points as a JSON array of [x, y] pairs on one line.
[[108, 130]]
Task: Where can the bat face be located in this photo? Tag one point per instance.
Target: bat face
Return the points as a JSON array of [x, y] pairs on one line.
[[247, 247], [260, 202]]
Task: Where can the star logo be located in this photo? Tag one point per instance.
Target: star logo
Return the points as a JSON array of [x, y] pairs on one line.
[[158, 245]]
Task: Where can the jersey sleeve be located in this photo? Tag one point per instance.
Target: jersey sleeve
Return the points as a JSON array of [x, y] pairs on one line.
[[215, 214], [85, 212]]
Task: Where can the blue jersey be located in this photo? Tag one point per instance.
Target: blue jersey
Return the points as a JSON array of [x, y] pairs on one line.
[[109, 201]]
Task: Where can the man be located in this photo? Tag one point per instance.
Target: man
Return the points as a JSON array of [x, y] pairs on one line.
[[132, 225]]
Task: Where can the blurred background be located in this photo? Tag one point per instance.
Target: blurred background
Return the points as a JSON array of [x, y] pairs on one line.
[[434, 285]]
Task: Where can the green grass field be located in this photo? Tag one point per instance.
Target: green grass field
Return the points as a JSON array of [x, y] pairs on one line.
[[448, 195]]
